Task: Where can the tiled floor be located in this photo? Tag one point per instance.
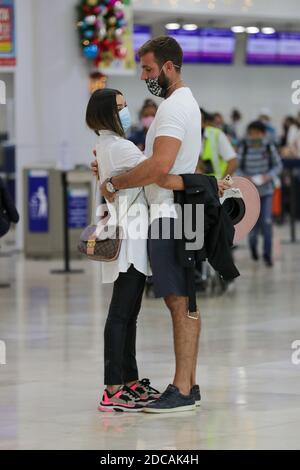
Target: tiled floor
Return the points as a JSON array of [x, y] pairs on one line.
[[52, 327]]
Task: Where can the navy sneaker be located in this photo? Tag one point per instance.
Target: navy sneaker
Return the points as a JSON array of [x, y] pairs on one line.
[[172, 401], [195, 390], [268, 261], [254, 254]]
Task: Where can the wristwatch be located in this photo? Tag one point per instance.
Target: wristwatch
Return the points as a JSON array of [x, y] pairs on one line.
[[110, 187]]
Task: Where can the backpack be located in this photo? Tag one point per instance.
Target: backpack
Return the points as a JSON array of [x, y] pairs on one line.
[[8, 212], [267, 153]]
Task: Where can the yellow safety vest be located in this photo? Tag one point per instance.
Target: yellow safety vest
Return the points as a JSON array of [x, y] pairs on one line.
[[211, 152]]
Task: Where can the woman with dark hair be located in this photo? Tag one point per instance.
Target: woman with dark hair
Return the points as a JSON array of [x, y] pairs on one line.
[[107, 114]]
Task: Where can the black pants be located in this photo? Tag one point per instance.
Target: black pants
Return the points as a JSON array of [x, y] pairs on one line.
[[120, 330]]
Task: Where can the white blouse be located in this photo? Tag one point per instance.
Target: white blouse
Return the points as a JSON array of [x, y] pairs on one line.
[[115, 156]]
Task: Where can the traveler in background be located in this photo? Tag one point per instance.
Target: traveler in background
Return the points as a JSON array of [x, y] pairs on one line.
[[230, 130], [266, 119], [260, 162], [8, 211], [218, 157], [290, 141], [235, 125], [146, 117], [218, 121]]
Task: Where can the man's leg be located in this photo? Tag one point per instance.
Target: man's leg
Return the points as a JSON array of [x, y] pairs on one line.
[[253, 239], [267, 227], [194, 373], [186, 333]]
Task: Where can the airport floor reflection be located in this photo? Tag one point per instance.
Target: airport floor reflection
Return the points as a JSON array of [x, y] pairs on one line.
[[52, 327]]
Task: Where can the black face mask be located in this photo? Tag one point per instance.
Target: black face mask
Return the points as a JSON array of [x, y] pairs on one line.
[[256, 142], [158, 86]]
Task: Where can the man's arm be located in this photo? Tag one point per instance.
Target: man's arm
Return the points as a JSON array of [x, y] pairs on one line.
[[231, 167], [165, 151], [176, 183], [200, 167], [172, 182], [228, 153]]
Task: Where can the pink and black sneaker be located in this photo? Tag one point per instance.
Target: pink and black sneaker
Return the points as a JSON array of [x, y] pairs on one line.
[[146, 393], [125, 400]]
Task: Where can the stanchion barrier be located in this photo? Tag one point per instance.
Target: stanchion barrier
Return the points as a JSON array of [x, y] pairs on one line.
[[66, 241]]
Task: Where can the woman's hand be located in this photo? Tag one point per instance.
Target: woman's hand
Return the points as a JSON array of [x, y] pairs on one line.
[[223, 185], [94, 166], [110, 197]]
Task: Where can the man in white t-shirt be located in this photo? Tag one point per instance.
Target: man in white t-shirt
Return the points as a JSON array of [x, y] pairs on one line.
[[218, 157], [173, 146]]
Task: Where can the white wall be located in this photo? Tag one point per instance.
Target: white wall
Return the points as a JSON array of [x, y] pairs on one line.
[[7, 110]]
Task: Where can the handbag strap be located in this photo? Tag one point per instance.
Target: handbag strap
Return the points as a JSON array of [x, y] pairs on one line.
[[95, 201], [94, 204], [133, 202]]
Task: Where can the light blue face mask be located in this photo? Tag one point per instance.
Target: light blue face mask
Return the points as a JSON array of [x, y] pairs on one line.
[[125, 118]]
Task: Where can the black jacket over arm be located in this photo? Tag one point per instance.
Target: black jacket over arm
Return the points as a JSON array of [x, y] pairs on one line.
[[218, 231]]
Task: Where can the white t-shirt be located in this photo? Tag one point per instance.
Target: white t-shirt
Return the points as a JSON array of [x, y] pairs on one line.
[[221, 147], [293, 135], [226, 150], [115, 156], [179, 117]]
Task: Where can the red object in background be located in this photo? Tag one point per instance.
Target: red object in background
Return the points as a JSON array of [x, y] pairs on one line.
[[7, 61], [277, 202], [7, 35]]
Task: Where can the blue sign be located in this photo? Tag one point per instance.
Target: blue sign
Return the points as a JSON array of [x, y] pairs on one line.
[[78, 208], [274, 49], [206, 46], [38, 206]]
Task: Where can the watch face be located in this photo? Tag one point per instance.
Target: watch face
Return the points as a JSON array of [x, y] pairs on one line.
[[110, 187]]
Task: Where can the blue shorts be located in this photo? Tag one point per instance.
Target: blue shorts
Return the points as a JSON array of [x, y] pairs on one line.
[[168, 276]]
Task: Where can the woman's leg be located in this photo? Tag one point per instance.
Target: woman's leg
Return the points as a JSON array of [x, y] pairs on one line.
[[125, 291], [130, 369]]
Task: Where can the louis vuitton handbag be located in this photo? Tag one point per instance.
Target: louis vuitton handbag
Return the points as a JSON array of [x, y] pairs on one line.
[[102, 242]]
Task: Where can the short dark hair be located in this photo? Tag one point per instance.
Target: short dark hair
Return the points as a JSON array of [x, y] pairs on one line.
[[206, 116], [148, 103], [257, 126], [164, 48], [102, 112]]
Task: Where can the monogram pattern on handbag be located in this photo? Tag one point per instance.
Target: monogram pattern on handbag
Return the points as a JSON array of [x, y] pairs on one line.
[[99, 250]]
